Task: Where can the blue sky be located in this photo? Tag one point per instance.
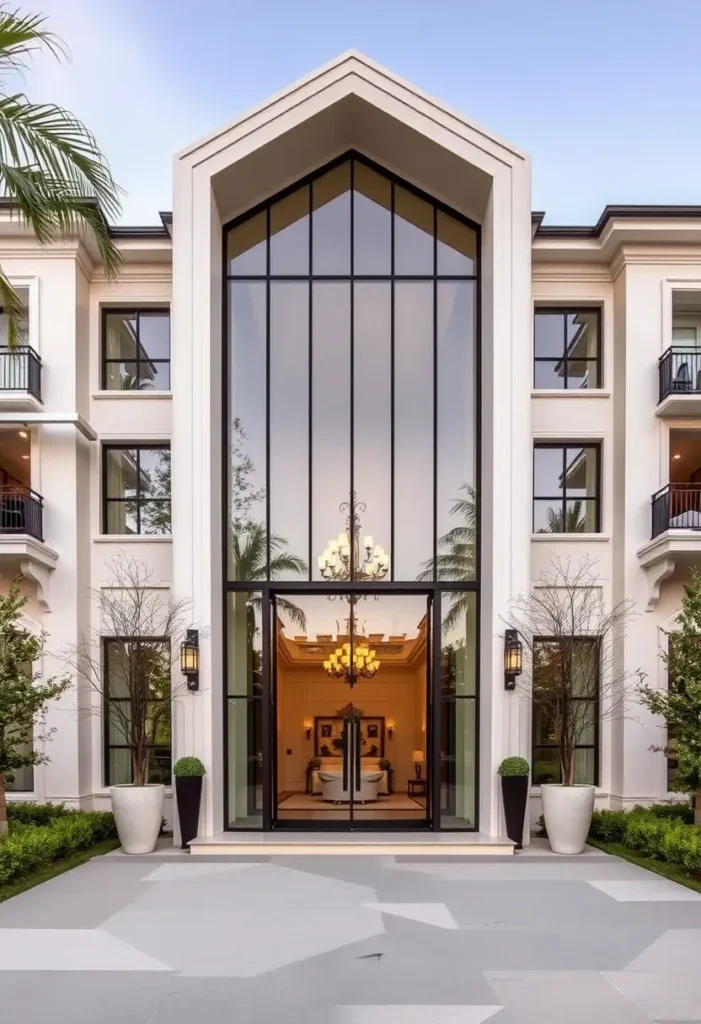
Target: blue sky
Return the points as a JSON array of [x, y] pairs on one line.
[[605, 95]]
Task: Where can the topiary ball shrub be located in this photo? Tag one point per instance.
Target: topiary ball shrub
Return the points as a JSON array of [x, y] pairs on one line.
[[189, 768], [512, 767]]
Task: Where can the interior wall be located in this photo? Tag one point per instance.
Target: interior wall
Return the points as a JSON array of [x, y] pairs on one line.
[[397, 693]]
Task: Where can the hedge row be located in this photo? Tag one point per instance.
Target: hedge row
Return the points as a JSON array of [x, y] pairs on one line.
[[58, 832], [662, 832]]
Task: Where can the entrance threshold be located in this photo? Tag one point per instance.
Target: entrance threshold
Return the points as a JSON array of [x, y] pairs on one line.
[[436, 844]]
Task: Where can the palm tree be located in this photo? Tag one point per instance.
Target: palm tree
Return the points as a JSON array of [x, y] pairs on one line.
[[570, 521], [456, 558], [249, 562], [51, 167]]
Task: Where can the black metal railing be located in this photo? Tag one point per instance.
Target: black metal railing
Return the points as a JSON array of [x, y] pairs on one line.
[[21, 511], [676, 507], [20, 370], [680, 371]]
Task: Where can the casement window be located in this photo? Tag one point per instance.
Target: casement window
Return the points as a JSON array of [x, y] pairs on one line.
[[585, 656], [136, 489], [136, 671], [566, 488], [567, 348], [135, 349]]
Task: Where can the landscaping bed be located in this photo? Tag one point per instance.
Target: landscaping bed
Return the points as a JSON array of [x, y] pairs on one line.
[[46, 839]]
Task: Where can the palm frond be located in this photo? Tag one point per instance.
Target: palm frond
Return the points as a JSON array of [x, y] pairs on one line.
[[21, 35], [293, 612]]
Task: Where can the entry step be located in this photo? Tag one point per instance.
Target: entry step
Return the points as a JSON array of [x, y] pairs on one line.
[[437, 844]]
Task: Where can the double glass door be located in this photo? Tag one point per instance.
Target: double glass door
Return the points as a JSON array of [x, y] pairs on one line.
[[351, 711]]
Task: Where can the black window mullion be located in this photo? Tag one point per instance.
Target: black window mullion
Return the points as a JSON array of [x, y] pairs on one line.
[[267, 396], [564, 347], [310, 377], [391, 384], [352, 537], [564, 489]]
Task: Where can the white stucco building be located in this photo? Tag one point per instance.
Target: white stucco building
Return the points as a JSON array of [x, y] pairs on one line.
[[352, 302]]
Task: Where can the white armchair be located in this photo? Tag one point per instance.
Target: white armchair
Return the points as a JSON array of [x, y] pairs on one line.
[[333, 791]]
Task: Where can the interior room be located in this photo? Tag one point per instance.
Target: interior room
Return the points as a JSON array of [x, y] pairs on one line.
[[15, 478], [379, 647]]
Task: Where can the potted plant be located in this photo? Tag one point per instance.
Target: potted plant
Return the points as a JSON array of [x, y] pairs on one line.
[[573, 677], [188, 773], [128, 662], [514, 773]]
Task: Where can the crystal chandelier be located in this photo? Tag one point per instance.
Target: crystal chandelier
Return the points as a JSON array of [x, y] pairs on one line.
[[342, 560], [352, 662]]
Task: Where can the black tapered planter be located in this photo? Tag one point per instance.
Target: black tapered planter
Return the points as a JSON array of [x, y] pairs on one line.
[[188, 790], [514, 790]]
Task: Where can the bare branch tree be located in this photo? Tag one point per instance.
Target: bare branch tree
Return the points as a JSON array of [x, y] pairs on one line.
[[573, 671], [145, 628]]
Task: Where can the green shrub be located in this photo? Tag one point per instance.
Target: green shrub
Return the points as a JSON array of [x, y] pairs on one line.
[[61, 831], [644, 833], [189, 768], [513, 767], [676, 842], [677, 811], [610, 826]]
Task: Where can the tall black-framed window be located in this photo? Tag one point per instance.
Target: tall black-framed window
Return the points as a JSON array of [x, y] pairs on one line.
[[566, 487], [351, 406], [135, 349], [136, 672], [584, 655], [136, 489], [567, 348]]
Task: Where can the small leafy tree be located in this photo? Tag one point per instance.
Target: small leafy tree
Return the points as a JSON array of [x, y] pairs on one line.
[[680, 703], [571, 671], [143, 628], [23, 699]]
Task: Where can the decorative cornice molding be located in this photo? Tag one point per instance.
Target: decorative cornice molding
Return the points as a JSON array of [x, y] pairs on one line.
[[550, 273]]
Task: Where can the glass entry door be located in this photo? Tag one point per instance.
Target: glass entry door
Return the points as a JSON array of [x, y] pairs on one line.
[[351, 710]]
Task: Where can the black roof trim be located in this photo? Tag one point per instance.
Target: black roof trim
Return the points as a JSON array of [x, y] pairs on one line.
[[612, 213]]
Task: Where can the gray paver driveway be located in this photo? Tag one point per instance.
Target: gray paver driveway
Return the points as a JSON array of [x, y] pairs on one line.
[[352, 940]]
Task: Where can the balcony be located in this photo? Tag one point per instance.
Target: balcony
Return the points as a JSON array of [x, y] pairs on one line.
[[22, 547], [679, 370], [20, 378], [675, 533]]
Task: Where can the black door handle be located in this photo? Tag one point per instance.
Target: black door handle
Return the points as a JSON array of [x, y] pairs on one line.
[[356, 737], [346, 753]]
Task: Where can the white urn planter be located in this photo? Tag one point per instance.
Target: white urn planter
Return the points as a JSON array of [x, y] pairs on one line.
[[567, 811], [138, 813]]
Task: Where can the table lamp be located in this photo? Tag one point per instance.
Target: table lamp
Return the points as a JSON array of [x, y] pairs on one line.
[[417, 758]]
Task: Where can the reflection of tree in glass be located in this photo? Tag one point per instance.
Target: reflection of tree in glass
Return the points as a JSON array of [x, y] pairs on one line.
[[571, 521], [456, 559], [155, 483], [249, 538]]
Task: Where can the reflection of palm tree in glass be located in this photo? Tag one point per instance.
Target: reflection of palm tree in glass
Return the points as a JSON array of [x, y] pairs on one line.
[[249, 558], [570, 521], [456, 558]]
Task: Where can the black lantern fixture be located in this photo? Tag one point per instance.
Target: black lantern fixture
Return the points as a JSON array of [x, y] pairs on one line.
[[513, 658], [190, 658]]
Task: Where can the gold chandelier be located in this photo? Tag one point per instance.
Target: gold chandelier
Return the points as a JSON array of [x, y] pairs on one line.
[[352, 662], [343, 557]]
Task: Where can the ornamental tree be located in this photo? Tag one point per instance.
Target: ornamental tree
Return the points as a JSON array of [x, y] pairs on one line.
[[680, 704], [23, 698]]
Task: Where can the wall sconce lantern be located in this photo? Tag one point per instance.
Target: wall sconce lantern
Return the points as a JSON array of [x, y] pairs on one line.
[[390, 730], [190, 659], [513, 658], [308, 729]]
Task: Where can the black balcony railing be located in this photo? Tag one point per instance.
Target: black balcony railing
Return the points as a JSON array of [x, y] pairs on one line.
[[676, 507], [20, 370], [680, 371], [21, 511]]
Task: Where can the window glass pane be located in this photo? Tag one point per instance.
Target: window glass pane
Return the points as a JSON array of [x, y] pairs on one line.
[[546, 765], [154, 472], [413, 430], [247, 247], [122, 377], [154, 376], [121, 472], [547, 472], [413, 234], [372, 221], [244, 755], [121, 339], [456, 247], [154, 335], [331, 222], [330, 412], [456, 416], [289, 234], [549, 374], [582, 373], [373, 411], [584, 767], [581, 517], [549, 334], [583, 335], [289, 429], [155, 517], [119, 767], [459, 643], [247, 431], [458, 710], [548, 516], [580, 472], [138, 671], [159, 766]]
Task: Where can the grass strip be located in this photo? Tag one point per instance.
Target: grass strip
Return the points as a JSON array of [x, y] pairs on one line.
[[674, 872], [58, 867]]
